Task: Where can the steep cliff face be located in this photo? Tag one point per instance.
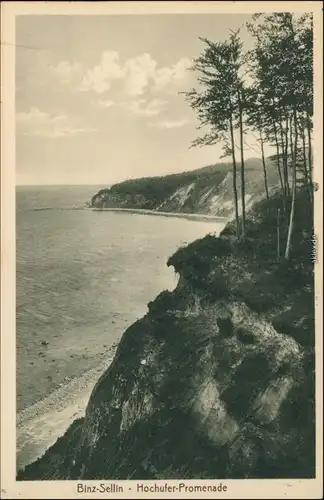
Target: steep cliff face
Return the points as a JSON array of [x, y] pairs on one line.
[[206, 191], [217, 380]]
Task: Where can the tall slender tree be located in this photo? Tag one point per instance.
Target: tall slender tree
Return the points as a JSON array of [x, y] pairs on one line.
[[219, 105], [277, 106], [283, 72], [256, 121], [240, 97]]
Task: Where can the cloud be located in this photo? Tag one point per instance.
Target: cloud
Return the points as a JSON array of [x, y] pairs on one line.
[[100, 77], [65, 71], [143, 107], [169, 124], [172, 74], [41, 124], [136, 74], [40, 71], [104, 103]]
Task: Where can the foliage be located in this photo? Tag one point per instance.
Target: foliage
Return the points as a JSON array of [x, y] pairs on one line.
[[268, 91], [199, 255], [220, 103], [155, 190]]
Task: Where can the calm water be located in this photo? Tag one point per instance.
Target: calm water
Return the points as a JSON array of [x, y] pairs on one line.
[[82, 277]]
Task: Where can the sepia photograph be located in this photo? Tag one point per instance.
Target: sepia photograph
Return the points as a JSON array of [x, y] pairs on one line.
[[165, 248]]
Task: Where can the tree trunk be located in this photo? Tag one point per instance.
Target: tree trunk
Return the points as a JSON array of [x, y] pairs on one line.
[[306, 173], [284, 145], [278, 164], [286, 156], [292, 150], [278, 233], [309, 136], [242, 164], [264, 167], [293, 199], [234, 178]]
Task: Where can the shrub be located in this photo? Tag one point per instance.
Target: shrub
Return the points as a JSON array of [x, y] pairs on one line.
[[196, 259]]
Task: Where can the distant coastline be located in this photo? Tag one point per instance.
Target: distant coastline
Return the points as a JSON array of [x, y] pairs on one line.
[[56, 208], [142, 211]]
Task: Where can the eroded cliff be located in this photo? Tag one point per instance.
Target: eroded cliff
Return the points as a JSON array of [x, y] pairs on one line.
[[208, 190], [217, 380]]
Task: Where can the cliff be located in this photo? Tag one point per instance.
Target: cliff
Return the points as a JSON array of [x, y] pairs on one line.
[[217, 379], [205, 191]]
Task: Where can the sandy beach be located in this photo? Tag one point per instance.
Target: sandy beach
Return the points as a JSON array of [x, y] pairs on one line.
[[141, 211], [41, 424]]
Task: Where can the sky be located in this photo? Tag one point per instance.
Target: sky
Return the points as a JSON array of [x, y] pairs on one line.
[[97, 97]]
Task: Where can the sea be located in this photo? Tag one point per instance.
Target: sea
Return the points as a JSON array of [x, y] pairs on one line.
[[82, 277]]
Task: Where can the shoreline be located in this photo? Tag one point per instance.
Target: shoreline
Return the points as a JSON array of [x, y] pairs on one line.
[[181, 215], [39, 426], [143, 211]]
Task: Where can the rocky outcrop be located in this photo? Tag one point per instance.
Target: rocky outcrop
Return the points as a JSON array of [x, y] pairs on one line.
[[217, 380], [205, 191]]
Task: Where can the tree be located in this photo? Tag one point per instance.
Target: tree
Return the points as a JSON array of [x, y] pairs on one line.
[[282, 67], [277, 107], [256, 120], [219, 104]]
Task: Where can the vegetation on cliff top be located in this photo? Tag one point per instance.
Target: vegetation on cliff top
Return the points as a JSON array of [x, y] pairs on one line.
[[150, 192], [252, 270]]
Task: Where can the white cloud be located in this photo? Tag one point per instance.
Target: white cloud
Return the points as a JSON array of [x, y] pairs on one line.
[[39, 123], [38, 70], [172, 74], [136, 74], [65, 71], [100, 77], [143, 107], [169, 124], [105, 103]]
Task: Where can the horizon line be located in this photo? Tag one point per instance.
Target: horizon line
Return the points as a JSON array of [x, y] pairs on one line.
[[63, 184]]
